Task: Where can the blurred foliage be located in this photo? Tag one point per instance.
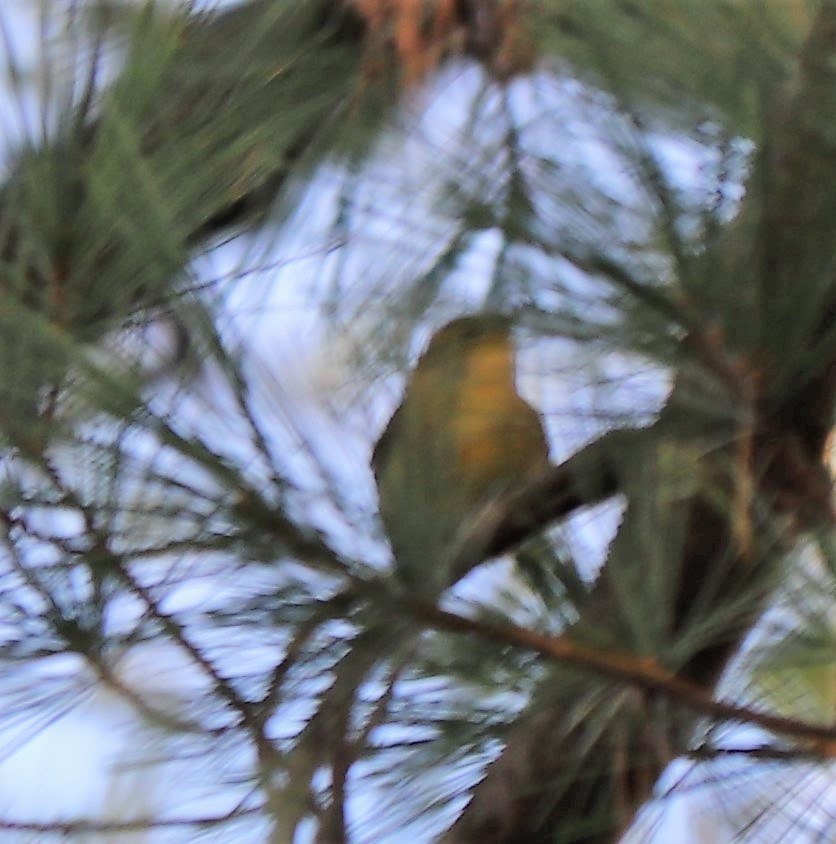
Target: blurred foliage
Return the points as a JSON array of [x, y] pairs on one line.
[[227, 230], [668, 59]]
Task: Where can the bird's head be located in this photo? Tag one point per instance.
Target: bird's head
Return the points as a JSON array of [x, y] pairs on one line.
[[469, 334]]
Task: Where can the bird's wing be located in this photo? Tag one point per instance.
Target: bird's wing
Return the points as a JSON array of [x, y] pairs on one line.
[[381, 449]]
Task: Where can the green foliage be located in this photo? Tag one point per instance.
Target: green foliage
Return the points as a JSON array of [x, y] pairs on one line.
[[195, 514], [669, 58], [101, 217]]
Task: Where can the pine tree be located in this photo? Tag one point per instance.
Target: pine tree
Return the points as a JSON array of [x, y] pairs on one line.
[[644, 191]]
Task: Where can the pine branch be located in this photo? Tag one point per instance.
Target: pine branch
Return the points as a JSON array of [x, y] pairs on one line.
[[643, 673], [529, 793], [202, 156]]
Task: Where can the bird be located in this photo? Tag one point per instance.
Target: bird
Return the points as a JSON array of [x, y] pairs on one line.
[[461, 441]]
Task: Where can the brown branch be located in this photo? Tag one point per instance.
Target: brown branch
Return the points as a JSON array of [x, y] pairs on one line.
[[82, 827], [644, 673], [765, 752]]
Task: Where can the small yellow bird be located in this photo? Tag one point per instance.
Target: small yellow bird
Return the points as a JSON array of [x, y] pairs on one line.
[[461, 440]]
